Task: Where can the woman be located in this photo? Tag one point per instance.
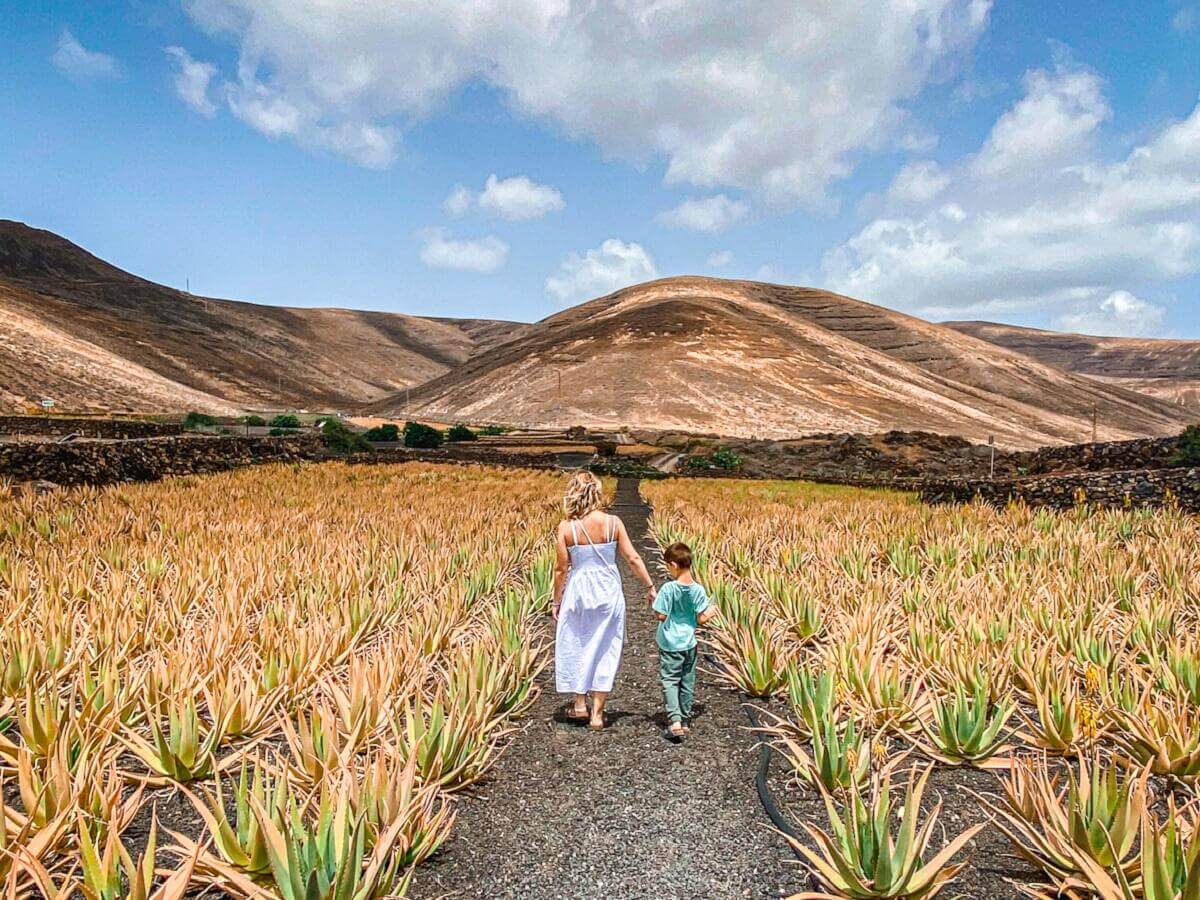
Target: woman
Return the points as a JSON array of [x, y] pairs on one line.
[[589, 605]]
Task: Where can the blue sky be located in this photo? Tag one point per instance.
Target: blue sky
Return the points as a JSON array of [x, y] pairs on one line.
[[1032, 162]]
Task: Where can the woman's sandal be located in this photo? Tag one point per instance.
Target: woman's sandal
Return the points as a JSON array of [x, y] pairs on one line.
[[595, 727], [568, 712], [675, 737]]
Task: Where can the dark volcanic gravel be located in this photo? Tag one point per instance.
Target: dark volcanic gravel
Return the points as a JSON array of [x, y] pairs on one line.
[[623, 813]]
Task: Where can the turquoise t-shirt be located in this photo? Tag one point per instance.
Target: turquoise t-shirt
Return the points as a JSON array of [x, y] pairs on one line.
[[680, 603]]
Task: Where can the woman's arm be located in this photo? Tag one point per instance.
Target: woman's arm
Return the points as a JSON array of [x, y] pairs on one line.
[[562, 563], [627, 550]]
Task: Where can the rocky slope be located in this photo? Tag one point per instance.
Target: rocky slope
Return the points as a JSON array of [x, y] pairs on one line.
[[90, 335], [751, 359], [1166, 369]]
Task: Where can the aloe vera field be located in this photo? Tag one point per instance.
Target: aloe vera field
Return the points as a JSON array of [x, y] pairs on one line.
[[289, 681], [268, 682], [1041, 669]]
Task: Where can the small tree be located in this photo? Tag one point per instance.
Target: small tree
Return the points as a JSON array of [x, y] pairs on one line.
[[1188, 451], [422, 436], [460, 432], [195, 420], [285, 420], [337, 436], [257, 421], [384, 434], [722, 458]]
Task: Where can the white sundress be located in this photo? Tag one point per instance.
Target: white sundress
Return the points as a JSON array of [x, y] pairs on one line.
[[591, 620]]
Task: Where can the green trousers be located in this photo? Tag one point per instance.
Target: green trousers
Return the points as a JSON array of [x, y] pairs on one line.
[[677, 670]]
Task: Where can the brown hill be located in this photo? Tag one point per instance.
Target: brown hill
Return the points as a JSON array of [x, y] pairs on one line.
[[1167, 369], [745, 358], [80, 330]]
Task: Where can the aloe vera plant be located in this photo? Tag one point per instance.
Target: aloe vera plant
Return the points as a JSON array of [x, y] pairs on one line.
[[1096, 814], [753, 657], [1162, 735], [814, 697], [967, 730], [838, 755], [863, 855], [110, 873], [241, 843], [186, 751], [1065, 721], [328, 855], [451, 746], [1169, 864], [390, 793]]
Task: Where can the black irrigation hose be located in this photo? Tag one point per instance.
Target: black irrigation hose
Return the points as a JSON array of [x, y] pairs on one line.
[[766, 751]]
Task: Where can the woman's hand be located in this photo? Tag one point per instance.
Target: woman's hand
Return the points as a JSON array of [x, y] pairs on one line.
[[651, 594], [554, 611]]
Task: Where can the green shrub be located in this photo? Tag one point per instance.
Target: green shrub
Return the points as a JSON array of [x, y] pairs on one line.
[[194, 420], [460, 432], [1188, 452], [388, 433], [285, 420], [493, 430], [723, 459], [423, 436], [337, 436], [278, 432], [257, 421]]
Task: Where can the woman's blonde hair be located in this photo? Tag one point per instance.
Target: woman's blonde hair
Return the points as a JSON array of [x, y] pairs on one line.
[[584, 493]]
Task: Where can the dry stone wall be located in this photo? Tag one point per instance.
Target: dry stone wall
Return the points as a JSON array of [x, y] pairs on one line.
[[1139, 487], [1143, 453], [57, 426], [107, 462]]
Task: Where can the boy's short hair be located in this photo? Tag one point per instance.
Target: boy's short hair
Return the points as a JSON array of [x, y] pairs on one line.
[[679, 554]]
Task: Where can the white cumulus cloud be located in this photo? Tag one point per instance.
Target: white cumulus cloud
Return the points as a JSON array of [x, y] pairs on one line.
[[192, 81], [611, 266], [76, 61], [516, 199], [711, 214], [1120, 314], [1038, 223], [519, 198], [770, 96], [484, 255], [1053, 122]]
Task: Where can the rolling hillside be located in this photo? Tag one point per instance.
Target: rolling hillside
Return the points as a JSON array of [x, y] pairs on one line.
[[751, 359], [90, 335], [1166, 369]]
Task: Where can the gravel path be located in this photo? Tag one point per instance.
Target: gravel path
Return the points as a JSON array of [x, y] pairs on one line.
[[568, 813]]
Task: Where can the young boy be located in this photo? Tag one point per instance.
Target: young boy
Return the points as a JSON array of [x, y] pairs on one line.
[[681, 605]]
